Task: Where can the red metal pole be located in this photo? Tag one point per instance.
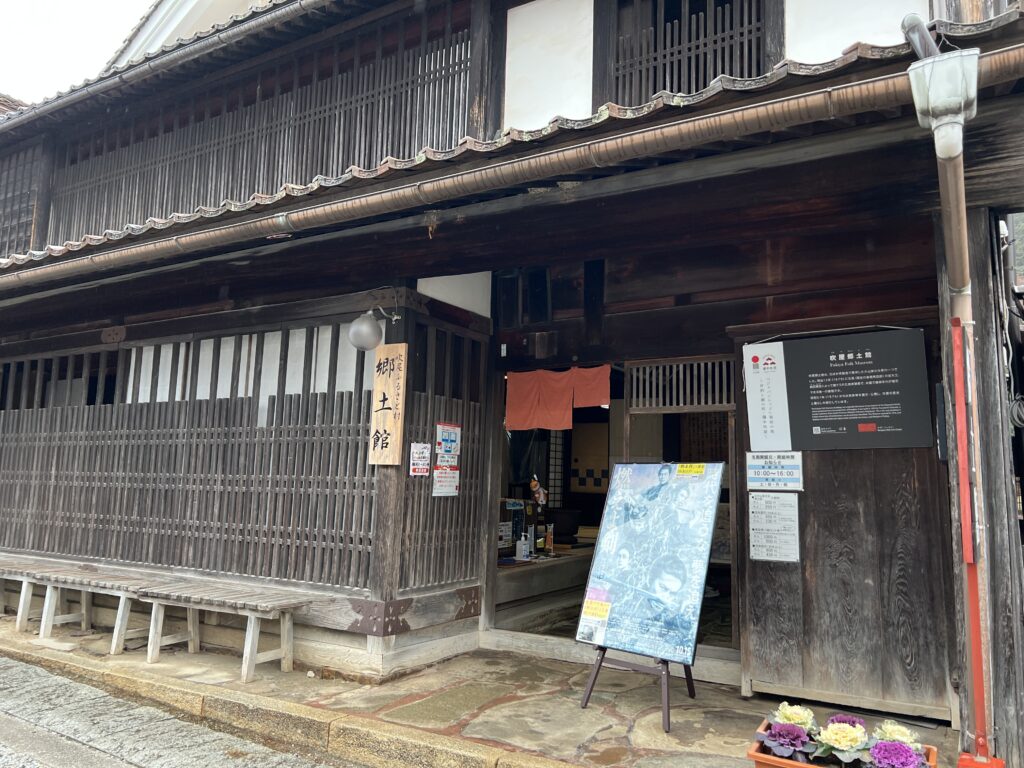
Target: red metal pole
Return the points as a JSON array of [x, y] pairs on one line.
[[977, 661]]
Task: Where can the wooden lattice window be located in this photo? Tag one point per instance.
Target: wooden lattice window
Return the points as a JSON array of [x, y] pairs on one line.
[[679, 386], [18, 177], [681, 46], [386, 90]]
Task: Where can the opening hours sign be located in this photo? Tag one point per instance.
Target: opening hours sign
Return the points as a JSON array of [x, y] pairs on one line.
[[387, 411]]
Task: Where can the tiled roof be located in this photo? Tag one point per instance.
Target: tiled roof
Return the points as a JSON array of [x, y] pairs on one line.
[[143, 67], [9, 103], [720, 92]]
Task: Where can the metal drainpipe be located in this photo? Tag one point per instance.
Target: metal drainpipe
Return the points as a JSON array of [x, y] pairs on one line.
[[953, 207]]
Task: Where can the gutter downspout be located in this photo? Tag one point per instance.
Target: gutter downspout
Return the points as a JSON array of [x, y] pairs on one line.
[[947, 128], [888, 92]]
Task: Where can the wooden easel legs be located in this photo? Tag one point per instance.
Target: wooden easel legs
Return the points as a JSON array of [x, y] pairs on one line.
[[661, 670]]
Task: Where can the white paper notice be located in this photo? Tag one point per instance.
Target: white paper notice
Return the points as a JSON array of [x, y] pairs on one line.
[[446, 475], [419, 460], [774, 527], [775, 471], [449, 439], [504, 534], [764, 369]]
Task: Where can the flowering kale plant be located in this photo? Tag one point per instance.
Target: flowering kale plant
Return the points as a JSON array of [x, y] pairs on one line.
[[895, 754], [788, 740], [794, 734]]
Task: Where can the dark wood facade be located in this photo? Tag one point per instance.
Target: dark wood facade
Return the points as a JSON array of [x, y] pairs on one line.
[[206, 412]]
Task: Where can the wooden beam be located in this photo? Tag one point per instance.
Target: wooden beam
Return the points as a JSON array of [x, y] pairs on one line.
[[42, 186], [606, 17], [1002, 531], [774, 33], [486, 68], [593, 301]]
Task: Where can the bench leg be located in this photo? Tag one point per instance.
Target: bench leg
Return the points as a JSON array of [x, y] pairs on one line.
[[249, 651], [192, 615], [24, 606], [3, 597], [124, 611], [86, 606], [49, 611], [287, 642], [156, 633], [62, 601]]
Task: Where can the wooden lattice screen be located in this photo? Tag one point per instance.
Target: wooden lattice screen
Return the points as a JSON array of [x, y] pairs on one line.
[[245, 454], [389, 89], [679, 386], [441, 536], [18, 186], [680, 46]]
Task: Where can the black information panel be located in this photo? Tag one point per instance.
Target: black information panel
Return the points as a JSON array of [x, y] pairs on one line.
[[862, 390]]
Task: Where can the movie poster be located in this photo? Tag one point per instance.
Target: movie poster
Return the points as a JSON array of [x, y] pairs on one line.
[[647, 580]]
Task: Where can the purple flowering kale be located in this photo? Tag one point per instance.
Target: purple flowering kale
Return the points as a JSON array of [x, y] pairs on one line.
[[893, 754], [787, 740], [846, 720]]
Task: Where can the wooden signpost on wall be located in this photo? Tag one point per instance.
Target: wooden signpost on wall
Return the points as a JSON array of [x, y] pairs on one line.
[[388, 408]]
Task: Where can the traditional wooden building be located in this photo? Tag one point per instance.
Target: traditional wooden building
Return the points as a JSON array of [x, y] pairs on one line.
[[188, 238]]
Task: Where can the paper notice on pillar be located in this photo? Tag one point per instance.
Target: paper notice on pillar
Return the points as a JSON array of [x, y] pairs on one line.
[[446, 476], [419, 460], [774, 527], [449, 439], [764, 370], [775, 471]]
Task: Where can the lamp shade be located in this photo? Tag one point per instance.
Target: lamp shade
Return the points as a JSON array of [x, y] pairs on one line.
[[365, 332], [945, 89]]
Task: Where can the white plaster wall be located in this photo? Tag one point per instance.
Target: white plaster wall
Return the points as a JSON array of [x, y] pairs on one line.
[[172, 20], [549, 62], [645, 436], [819, 30], [472, 292]]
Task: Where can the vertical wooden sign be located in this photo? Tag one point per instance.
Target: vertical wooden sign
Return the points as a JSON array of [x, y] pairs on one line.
[[387, 418]]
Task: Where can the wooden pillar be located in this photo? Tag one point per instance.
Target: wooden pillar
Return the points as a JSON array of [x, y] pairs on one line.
[[1001, 537], [774, 32], [486, 68], [389, 490], [494, 433], [41, 196], [1002, 533], [606, 28]]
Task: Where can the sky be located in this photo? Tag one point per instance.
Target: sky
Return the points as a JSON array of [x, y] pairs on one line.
[[47, 46]]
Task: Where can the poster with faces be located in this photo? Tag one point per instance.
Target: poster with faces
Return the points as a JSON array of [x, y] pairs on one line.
[[647, 580]]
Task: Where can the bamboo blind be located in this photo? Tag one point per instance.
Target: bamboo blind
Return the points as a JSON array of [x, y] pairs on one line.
[[681, 46], [18, 172], [388, 90], [674, 386]]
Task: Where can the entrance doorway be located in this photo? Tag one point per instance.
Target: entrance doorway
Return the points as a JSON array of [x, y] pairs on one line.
[[678, 410]]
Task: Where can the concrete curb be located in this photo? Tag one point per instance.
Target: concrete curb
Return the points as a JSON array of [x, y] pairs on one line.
[[374, 743]]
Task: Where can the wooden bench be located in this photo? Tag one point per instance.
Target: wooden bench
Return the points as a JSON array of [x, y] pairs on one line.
[[257, 602]]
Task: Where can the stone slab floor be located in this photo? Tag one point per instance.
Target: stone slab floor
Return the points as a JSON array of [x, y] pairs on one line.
[[508, 700]]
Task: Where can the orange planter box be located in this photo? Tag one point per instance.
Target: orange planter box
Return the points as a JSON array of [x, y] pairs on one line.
[[763, 759]]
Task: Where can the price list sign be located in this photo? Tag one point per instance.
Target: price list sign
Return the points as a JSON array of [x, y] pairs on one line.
[[774, 527]]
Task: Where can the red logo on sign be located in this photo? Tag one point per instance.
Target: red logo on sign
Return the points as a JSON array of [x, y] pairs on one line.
[[867, 427], [755, 359]]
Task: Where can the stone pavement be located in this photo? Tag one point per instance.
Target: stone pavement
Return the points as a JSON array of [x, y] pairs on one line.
[[47, 721], [485, 708]]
